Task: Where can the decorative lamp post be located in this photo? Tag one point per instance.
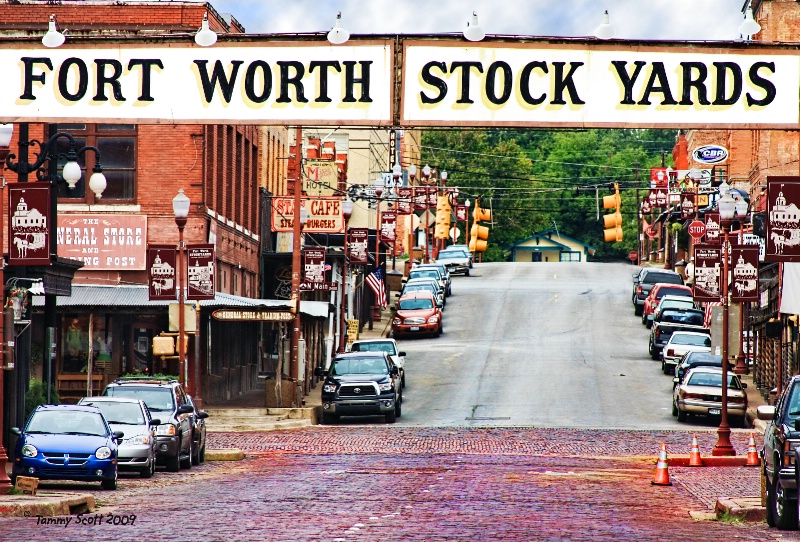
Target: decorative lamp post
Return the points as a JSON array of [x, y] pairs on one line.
[[426, 174], [741, 364], [727, 210], [347, 212], [466, 226], [6, 131], [180, 206], [412, 179]]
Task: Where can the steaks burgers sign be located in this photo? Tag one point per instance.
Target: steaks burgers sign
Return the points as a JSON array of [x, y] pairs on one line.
[[441, 82]]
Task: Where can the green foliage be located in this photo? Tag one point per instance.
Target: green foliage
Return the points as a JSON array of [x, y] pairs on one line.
[[37, 395], [535, 180]]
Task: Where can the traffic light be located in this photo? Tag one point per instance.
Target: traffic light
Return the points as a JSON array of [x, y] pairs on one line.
[[612, 222], [443, 209], [479, 234]]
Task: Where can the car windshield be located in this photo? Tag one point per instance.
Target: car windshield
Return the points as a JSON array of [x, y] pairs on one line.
[[653, 278], [382, 346], [359, 366], [423, 273], [673, 291], [703, 357], [420, 288], [450, 255], [691, 340], [712, 380], [159, 399], [413, 304], [693, 318], [677, 303], [74, 422], [120, 413]]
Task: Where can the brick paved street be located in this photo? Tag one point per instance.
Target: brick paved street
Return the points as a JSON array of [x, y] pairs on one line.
[[366, 483]]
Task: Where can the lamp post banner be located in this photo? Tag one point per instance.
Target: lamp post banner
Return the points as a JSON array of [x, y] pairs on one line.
[[29, 226], [432, 197], [783, 219], [313, 264], [707, 264], [687, 205], [404, 201], [420, 198], [713, 229], [461, 213], [201, 269], [388, 226], [744, 259], [161, 265], [357, 239]]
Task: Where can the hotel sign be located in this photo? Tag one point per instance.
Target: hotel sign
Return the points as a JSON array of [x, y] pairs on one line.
[[237, 315]]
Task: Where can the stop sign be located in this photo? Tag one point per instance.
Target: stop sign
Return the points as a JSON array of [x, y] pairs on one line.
[[697, 229], [633, 255]]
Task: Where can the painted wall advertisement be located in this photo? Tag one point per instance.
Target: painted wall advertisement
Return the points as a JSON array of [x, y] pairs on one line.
[[103, 241]]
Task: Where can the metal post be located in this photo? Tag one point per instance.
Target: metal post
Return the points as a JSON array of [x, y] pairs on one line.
[[723, 446], [343, 309], [296, 263], [741, 363], [181, 222], [5, 481]]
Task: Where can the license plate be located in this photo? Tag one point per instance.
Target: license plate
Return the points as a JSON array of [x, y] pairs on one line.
[[713, 411], [414, 328]]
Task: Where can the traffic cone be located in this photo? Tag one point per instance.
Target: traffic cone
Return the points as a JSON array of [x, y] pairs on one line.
[[662, 473], [694, 455], [752, 453]]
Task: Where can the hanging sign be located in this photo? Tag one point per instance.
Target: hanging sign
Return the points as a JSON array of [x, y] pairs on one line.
[[404, 201], [28, 223], [461, 213], [420, 198], [161, 265], [707, 263], [200, 266], [713, 229], [744, 286], [324, 215], [314, 264], [357, 239], [388, 226], [432, 197], [687, 205], [783, 219], [320, 177]]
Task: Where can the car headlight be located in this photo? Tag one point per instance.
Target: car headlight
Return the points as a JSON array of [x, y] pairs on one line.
[[138, 439], [385, 387], [433, 319], [166, 429], [397, 321], [103, 452], [29, 450], [329, 388]]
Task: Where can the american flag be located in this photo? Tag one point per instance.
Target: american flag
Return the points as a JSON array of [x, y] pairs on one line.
[[375, 281]]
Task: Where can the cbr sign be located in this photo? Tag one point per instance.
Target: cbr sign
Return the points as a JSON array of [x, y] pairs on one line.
[[710, 154]]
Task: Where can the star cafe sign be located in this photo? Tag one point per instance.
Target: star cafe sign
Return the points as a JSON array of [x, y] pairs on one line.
[[324, 215], [443, 81]]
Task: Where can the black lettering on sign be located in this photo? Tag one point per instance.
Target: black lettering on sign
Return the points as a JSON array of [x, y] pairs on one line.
[[323, 76], [30, 77], [218, 77], [525, 82], [250, 82], [147, 65], [296, 80], [723, 68], [83, 79], [769, 89], [103, 79], [465, 73], [658, 72], [699, 83], [491, 75], [432, 80], [565, 82], [626, 79], [350, 80]]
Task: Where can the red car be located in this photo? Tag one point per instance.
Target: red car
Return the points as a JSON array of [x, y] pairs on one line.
[[657, 292], [417, 314]]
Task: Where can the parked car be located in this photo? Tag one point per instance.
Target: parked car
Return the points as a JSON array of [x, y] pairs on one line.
[[417, 314], [456, 260], [198, 433], [427, 285], [779, 456], [693, 359], [167, 401], [679, 343], [644, 280], [671, 320], [429, 272], [137, 451], [445, 272], [361, 384], [671, 302], [389, 346], [466, 249], [67, 442], [700, 393], [657, 292]]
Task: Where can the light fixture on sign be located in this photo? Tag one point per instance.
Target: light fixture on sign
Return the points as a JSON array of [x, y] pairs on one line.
[[605, 30], [205, 37], [749, 26], [53, 38], [474, 32], [338, 35]]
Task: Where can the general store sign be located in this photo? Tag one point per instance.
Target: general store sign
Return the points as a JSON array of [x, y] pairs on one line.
[[103, 241], [234, 315], [324, 215], [441, 82]]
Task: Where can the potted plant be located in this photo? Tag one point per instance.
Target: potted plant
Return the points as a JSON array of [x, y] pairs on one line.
[[18, 300]]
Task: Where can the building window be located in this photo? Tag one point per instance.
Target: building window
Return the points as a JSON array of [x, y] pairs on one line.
[[117, 146], [570, 257]]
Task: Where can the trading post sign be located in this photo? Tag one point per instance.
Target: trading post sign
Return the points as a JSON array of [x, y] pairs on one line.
[[707, 263], [200, 272]]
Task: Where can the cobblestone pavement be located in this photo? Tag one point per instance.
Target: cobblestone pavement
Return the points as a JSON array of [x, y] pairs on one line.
[[368, 483]]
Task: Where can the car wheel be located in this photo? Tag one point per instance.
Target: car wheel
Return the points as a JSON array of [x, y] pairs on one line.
[[174, 463], [398, 407], [466, 273], [637, 310], [644, 319], [403, 380], [203, 454], [769, 501], [682, 415], [110, 484], [195, 454], [391, 417], [149, 470], [328, 419], [674, 408], [187, 463], [784, 511], [648, 324], [439, 331]]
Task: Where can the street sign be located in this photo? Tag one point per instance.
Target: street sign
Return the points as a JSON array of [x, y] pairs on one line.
[[651, 232], [633, 255], [318, 286], [697, 230]]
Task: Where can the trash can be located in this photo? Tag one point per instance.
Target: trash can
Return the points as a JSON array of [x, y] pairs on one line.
[[394, 282], [680, 267]]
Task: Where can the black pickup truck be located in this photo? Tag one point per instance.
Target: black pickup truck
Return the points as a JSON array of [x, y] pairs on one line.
[[670, 321], [780, 454], [643, 282]]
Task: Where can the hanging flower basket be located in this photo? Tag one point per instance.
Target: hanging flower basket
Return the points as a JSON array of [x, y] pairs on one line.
[[18, 300]]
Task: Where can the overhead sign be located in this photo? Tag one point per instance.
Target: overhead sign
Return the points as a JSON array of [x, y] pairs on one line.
[[103, 240], [710, 154]]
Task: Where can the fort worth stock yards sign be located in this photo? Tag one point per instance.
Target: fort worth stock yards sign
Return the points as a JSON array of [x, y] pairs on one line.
[[441, 81]]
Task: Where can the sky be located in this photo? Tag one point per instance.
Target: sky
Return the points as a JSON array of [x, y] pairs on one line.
[[673, 20]]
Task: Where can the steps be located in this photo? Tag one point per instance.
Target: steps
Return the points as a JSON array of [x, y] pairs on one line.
[[233, 420]]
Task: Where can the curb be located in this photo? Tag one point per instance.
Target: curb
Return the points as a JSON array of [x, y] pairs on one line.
[[224, 454], [742, 508], [46, 504]]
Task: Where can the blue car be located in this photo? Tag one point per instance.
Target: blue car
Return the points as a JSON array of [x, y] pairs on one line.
[[67, 442]]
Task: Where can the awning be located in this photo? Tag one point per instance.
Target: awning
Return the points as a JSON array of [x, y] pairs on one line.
[[136, 297]]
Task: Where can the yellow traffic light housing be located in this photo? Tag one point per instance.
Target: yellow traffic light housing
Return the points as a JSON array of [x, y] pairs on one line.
[[479, 235], [443, 210], [612, 223]]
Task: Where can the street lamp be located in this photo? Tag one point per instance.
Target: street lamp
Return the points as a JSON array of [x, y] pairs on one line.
[[180, 206], [727, 209], [741, 365], [347, 212], [6, 131]]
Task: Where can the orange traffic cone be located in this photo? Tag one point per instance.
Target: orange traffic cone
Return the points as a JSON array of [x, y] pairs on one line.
[[662, 472], [694, 455], [752, 454]]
